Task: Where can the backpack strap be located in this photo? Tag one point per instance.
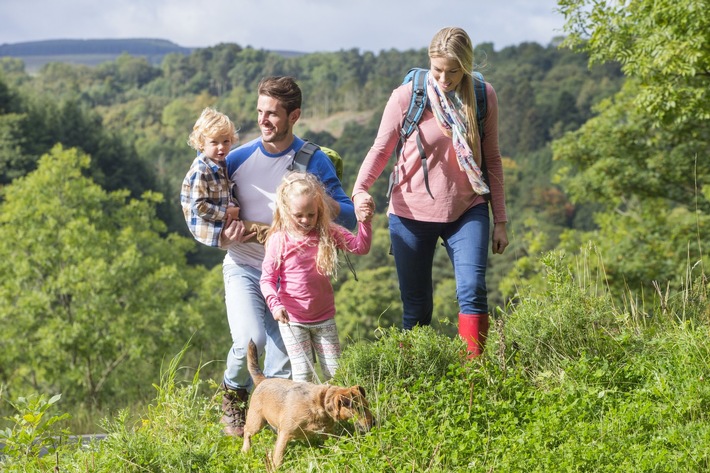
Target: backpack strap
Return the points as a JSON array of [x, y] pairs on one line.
[[417, 104], [479, 90], [303, 156], [410, 124]]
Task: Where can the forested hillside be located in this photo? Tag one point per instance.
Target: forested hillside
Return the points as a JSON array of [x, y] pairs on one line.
[[101, 281], [543, 92]]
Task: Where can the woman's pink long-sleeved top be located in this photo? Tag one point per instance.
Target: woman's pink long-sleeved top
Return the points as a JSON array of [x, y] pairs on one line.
[[453, 194], [296, 285]]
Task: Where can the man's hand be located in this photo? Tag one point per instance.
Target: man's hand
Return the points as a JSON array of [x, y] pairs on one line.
[[232, 214]]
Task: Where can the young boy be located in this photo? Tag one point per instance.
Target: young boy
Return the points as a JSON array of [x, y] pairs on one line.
[[207, 197]]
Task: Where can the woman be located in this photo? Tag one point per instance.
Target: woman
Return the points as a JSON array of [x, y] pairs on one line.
[[446, 195]]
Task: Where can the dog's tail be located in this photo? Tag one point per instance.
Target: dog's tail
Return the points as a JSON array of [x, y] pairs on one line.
[[253, 363]]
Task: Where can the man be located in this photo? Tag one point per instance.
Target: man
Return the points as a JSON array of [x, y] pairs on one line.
[[256, 168]]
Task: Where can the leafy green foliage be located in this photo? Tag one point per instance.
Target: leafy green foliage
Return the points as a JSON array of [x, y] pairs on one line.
[[33, 428], [361, 311], [88, 297], [661, 43], [398, 356], [640, 164], [567, 319], [178, 433]]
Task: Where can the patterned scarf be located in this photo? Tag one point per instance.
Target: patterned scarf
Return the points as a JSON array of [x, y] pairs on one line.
[[449, 116]]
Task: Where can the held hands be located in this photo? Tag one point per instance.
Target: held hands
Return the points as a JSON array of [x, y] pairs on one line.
[[500, 238], [364, 206], [281, 316]]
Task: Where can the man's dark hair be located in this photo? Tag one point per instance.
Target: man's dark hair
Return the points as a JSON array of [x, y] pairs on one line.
[[282, 88]]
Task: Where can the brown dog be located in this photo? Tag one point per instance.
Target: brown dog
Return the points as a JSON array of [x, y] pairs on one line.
[[299, 410]]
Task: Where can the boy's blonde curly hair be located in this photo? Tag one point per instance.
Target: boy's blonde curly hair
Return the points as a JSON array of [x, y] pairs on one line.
[[211, 124]]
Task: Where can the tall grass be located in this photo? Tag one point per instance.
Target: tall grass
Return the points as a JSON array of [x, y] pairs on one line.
[[571, 380]]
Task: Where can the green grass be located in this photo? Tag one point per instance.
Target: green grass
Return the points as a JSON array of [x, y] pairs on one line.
[[569, 382]]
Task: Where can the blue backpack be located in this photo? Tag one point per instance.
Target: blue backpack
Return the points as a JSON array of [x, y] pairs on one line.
[[418, 103]]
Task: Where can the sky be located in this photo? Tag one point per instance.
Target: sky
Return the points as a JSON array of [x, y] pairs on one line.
[[290, 25]]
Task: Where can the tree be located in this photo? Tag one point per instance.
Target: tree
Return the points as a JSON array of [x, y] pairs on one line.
[[651, 138], [643, 158], [661, 43], [92, 296]]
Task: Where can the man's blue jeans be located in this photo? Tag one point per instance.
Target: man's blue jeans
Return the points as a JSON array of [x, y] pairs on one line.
[[466, 242], [249, 318]]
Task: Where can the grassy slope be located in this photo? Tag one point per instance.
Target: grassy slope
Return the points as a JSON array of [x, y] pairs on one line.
[[635, 397]]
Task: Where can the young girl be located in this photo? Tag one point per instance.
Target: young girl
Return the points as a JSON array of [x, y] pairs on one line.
[[301, 257]]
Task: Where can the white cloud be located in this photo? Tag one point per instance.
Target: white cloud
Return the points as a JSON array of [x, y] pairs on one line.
[[300, 25]]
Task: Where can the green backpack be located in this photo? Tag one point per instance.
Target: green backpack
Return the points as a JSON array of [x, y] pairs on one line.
[[303, 156]]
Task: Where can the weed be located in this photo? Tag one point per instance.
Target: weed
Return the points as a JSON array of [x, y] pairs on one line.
[[34, 429]]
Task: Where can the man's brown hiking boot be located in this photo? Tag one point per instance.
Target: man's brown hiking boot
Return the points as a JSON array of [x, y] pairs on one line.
[[234, 409]]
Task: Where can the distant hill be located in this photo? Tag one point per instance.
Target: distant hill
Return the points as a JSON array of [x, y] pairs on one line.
[[91, 52], [55, 47]]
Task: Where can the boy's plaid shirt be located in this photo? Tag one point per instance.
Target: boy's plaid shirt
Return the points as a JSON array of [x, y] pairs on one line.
[[204, 197]]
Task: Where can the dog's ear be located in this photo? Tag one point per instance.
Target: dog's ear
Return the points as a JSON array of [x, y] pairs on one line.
[[332, 403], [360, 389], [337, 399]]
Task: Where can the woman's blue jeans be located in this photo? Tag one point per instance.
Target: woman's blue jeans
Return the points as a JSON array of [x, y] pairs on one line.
[[413, 246]]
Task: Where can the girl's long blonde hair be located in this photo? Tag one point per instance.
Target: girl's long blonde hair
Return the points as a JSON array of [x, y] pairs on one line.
[[296, 184], [454, 43]]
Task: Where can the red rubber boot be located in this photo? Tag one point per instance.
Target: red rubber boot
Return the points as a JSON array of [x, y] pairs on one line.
[[474, 329]]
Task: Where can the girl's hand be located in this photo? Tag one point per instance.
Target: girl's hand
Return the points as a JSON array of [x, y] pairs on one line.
[[364, 213], [281, 316]]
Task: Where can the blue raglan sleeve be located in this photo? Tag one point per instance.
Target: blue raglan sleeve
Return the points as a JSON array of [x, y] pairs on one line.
[[321, 166]]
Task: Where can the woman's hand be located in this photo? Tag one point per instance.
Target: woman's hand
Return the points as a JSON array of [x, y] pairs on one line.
[[500, 238], [364, 206]]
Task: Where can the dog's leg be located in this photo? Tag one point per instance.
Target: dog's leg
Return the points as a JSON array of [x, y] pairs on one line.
[[280, 447], [254, 423], [247, 441]]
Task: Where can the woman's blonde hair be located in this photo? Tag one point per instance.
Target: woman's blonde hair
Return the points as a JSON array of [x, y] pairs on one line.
[[297, 184], [211, 124], [454, 43]]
